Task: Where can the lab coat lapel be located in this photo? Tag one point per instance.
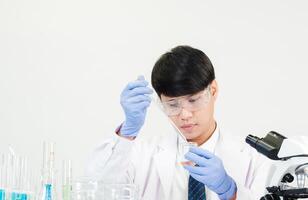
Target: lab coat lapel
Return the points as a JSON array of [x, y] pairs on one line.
[[235, 157], [165, 159]]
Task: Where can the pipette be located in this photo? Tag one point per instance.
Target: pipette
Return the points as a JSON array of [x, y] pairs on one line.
[[158, 104]]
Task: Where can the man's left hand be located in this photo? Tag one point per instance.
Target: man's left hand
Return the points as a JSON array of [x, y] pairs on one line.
[[210, 171]]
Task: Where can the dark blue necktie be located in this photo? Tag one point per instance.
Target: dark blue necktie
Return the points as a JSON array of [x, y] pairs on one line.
[[196, 190]]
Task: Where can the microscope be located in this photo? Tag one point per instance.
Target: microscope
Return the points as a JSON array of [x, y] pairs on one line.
[[289, 179]]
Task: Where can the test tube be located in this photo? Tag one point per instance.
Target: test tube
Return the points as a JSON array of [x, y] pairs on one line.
[[7, 174], [2, 177], [9, 164], [29, 185], [67, 179]]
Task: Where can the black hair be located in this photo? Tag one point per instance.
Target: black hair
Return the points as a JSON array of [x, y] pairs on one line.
[[182, 71]]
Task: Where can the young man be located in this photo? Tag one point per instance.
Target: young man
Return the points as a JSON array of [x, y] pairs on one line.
[[184, 79]]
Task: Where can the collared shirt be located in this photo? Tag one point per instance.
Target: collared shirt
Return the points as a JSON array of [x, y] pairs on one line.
[[180, 183]]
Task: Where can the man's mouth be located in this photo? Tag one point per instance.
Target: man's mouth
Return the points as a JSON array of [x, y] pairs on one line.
[[188, 127]]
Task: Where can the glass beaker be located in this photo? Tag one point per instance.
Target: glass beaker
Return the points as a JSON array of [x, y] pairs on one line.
[[117, 191], [183, 149], [84, 188]]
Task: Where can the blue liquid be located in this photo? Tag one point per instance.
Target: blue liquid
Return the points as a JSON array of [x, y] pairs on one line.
[[19, 196], [2, 194], [48, 192]]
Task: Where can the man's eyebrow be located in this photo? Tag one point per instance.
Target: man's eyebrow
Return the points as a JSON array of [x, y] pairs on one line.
[[175, 98], [172, 99]]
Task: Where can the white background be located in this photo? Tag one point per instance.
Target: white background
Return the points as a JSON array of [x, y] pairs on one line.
[[63, 64]]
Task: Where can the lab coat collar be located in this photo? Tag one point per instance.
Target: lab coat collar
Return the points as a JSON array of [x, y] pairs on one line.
[[165, 160], [227, 147]]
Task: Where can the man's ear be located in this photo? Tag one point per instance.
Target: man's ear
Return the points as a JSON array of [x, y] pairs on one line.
[[214, 89]]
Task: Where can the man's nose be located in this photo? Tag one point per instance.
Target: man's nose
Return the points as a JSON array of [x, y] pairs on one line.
[[185, 114]]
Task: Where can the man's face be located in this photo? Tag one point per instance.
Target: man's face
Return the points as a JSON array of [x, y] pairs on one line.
[[195, 116]]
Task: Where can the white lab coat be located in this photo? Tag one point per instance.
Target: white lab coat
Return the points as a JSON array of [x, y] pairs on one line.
[[150, 164]]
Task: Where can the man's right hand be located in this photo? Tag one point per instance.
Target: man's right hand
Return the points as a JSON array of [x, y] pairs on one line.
[[135, 100]]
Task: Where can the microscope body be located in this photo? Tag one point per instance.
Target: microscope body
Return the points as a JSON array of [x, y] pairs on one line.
[[289, 180]]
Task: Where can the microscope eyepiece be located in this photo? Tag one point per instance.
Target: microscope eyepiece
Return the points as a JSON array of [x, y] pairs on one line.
[[268, 146]]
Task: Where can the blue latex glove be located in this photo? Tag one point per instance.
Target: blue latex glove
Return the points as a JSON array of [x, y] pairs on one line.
[[210, 171], [135, 100]]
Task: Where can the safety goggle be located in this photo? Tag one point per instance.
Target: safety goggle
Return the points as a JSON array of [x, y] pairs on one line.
[[191, 103]]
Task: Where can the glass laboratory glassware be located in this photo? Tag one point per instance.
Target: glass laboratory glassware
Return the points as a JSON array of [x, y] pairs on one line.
[[15, 178], [84, 188], [117, 191], [67, 180], [19, 179], [183, 149], [2, 194], [2, 176], [48, 173]]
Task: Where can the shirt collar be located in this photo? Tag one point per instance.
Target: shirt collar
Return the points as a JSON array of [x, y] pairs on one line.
[[211, 143]]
